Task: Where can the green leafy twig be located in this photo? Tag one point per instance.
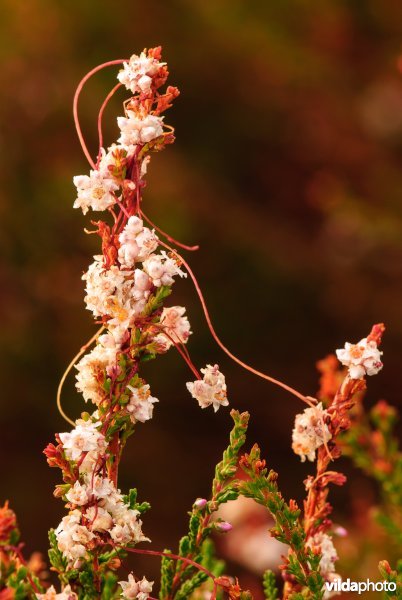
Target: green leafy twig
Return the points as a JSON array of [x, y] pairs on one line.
[[180, 580], [302, 564]]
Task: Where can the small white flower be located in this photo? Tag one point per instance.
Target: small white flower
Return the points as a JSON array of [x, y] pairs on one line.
[[102, 285], [118, 294], [362, 359], [176, 327], [141, 404], [51, 594], [323, 543], [137, 74], [78, 494], [94, 191], [136, 242], [99, 519], [211, 389], [133, 589], [310, 432], [162, 269], [85, 437], [92, 367], [147, 242], [135, 130], [101, 487], [133, 227], [120, 534], [111, 160], [72, 537]]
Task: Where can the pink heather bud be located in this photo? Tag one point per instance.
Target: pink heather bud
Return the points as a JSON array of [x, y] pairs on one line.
[[113, 371], [224, 526], [340, 531], [200, 503]]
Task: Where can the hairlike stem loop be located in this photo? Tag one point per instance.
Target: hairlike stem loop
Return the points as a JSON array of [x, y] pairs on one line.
[[67, 371], [100, 116], [221, 344], [75, 104], [172, 556], [167, 236]]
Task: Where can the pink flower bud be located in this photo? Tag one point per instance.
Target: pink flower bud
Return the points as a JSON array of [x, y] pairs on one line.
[[224, 526], [340, 531], [200, 503]]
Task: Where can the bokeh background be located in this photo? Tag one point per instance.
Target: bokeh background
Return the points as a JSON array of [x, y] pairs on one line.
[[286, 171]]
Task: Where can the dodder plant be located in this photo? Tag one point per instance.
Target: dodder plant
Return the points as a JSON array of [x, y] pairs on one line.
[[127, 285]]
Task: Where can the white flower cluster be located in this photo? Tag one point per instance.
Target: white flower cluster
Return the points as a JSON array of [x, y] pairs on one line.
[[132, 588], [322, 543], [98, 509], [100, 189], [51, 594], [211, 389], [119, 295], [176, 328], [95, 191], [137, 243], [141, 404], [139, 130], [138, 72], [310, 432], [84, 438], [362, 359], [91, 367], [72, 537]]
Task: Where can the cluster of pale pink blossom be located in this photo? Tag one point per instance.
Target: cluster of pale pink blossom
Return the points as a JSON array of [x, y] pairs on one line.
[[211, 389], [363, 358], [118, 293], [322, 543], [310, 432], [136, 74], [98, 512], [51, 594], [120, 286], [133, 588]]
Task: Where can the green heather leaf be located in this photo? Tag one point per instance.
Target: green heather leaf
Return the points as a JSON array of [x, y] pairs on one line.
[[168, 568], [226, 469], [155, 300], [109, 586], [188, 587], [270, 588], [131, 500], [57, 560]]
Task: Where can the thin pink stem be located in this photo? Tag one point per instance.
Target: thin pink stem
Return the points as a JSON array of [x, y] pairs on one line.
[[183, 353], [172, 556], [167, 236], [75, 104], [221, 344], [100, 116]]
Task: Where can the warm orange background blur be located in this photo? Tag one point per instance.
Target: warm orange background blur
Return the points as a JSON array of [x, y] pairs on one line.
[[286, 171]]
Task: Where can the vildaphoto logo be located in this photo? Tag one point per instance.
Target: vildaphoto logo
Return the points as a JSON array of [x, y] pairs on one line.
[[338, 585]]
